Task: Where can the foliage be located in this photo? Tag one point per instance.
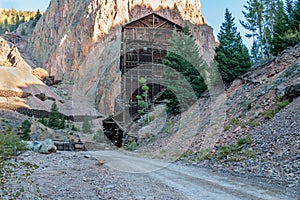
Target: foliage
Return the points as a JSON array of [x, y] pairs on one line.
[[244, 141], [36, 18], [86, 127], [143, 101], [226, 127], [43, 121], [273, 26], [269, 114], [74, 128], [54, 117], [232, 56], [131, 147], [62, 122], [229, 152], [9, 140], [25, 130], [254, 24], [11, 19], [183, 80]]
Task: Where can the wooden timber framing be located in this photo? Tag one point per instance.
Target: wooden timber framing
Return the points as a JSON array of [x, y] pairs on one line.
[[144, 45]]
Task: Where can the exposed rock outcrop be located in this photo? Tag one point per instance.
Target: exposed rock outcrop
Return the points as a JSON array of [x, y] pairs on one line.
[[81, 41], [21, 90]]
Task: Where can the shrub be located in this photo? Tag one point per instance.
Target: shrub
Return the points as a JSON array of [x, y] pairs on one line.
[[226, 127], [268, 114], [131, 147], [43, 121], [235, 121], [74, 128], [9, 140], [244, 140]]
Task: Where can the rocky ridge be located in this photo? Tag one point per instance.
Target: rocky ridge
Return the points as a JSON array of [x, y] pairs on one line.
[[81, 40]]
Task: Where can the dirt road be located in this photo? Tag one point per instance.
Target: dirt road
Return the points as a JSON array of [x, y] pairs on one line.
[[191, 182], [80, 175]]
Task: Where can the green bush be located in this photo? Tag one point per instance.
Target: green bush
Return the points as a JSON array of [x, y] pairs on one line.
[[235, 121], [268, 114], [74, 128], [131, 147], [244, 140], [226, 127], [230, 152], [43, 121], [9, 140]]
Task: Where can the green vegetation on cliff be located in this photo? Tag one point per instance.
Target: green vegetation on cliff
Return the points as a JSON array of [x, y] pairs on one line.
[[11, 19]]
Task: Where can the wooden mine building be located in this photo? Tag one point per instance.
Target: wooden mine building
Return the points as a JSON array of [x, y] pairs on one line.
[[143, 47]]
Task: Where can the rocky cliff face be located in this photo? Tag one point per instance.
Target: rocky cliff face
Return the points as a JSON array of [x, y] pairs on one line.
[[80, 41]]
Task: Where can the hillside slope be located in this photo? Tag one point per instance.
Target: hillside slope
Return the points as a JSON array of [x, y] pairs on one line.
[[246, 129]]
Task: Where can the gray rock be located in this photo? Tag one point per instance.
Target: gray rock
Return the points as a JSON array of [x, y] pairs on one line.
[[46, 147]]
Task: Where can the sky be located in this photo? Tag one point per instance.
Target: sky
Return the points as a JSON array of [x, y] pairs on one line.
[[212, 10]]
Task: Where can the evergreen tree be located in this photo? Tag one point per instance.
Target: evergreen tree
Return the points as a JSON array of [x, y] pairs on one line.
[[54, 117], [281, 26], [255, 24], [37, 17], [25, 130], [183, 57], [289, 8], [180, 94], [62, 122], [296, 15], [232, 56]]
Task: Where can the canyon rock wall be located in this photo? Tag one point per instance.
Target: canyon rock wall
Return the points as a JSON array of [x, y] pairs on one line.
[[81, 40]]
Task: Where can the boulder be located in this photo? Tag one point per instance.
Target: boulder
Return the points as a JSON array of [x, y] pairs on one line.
[[293, 90], [46, 147]]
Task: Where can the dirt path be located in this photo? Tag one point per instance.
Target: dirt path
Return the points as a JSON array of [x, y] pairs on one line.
[[71, 175], [192, 182]]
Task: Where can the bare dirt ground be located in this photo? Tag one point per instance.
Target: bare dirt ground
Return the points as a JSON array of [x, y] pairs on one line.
[[80, 175]]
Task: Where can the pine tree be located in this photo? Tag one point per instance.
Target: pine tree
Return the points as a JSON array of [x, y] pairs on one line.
[[289, 8], [62, 122], [54, 117], [25, 130], [296, 15], [232, 56], [281, 26], [184, 72], [254, 23]]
